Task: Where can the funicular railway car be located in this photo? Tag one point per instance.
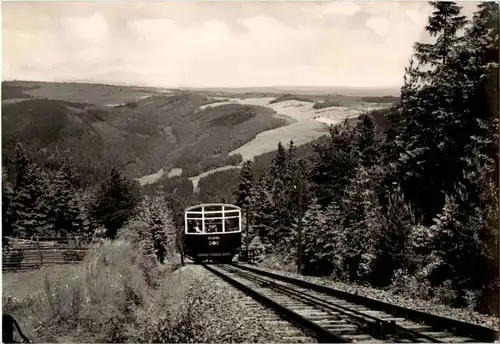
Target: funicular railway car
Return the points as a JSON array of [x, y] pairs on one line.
[[212, 232]]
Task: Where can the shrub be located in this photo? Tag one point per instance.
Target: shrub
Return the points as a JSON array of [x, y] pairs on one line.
[[182, 324], [410, 285], [103, 297], [12, 259], [73, 255], [276, 262], [258, 249], [140, 235], [444, 293]]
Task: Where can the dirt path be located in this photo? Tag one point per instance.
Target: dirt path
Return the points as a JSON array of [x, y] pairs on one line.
[[196, 180]]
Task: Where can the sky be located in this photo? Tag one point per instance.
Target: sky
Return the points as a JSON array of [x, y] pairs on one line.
[[213, 44]]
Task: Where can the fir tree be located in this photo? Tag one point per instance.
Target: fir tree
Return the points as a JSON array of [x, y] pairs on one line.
[[115, 204], [361, 223], [334, 164], [335, 242], [264, 217], [7, 216], [27, 205], [64, 210], [86, 202], [156, 214], [41, 210], [444, 24], [392, 246], [429, 154], [313, 225], [274, 194], [243, 193], [482, 52], [278, 166], [367, 143]]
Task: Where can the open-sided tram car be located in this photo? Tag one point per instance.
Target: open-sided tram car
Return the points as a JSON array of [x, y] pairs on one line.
[[212, 231]]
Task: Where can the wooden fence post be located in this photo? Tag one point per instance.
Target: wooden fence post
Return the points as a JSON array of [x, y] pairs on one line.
[[40, 251]]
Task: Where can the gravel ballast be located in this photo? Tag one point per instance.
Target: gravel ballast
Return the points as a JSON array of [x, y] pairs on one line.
[[232, 316], [396, 299]]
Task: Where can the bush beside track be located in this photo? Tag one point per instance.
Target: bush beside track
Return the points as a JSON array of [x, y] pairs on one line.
[[120, 294]]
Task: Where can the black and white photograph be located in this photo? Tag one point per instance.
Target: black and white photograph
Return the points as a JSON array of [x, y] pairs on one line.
[[250, 171]]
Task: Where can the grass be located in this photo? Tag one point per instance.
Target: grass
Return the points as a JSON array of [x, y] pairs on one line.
[[300, 132], [28, 283], [110, 298], [93, 301]]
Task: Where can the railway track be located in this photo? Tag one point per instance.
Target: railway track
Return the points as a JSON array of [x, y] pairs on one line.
[[333, 316], [253, 312]]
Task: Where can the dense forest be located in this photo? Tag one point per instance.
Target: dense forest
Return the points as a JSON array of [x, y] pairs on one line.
[[416, 207]]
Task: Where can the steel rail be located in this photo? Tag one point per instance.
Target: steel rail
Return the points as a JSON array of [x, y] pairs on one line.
[[458, 327]]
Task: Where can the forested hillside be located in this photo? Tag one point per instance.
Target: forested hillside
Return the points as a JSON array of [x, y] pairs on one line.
[[139, 137], [414, 209]]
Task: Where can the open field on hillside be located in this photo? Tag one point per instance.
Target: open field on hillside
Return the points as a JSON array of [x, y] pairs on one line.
[[305, 124], [105, 95], [196, 180], [300, 132], [311, 123], [308, 120], [150, 178], [304, 110]]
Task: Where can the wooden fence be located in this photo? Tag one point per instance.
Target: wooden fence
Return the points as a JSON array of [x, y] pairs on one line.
[[33, 253]]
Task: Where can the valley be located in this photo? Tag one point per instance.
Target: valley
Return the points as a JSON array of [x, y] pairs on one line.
[[306, 123], [155, 134]]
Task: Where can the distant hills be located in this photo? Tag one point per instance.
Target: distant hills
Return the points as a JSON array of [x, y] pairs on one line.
[[306, 90], [143, 130], [139, 130]]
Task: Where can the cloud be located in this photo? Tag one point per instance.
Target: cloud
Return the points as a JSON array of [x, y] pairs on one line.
[[90, 29], [213, 44], [341, 8], [378, 24]]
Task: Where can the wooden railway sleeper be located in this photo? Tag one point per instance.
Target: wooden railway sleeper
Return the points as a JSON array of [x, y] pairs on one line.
[[319, 332], [378, 327]]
